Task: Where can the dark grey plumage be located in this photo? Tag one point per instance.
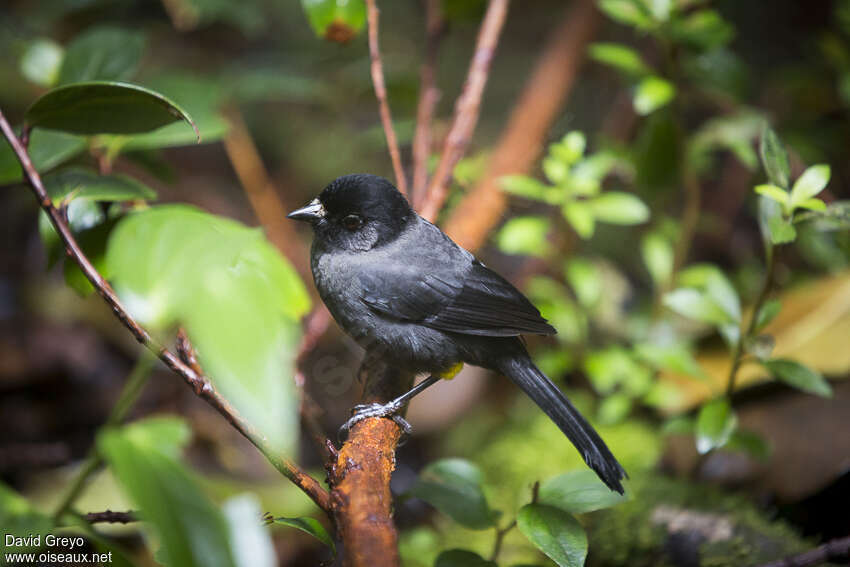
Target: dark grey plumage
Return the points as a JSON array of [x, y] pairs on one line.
[[407, 293]]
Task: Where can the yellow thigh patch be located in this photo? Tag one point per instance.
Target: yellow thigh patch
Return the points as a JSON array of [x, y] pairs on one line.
[[451, 372]]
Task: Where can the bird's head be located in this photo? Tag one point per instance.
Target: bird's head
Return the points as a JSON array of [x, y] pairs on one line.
[[356, 212]]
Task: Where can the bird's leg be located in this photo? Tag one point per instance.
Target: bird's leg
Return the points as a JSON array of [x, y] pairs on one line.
[[390, 409]]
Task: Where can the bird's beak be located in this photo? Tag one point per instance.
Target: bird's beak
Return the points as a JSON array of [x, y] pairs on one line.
[[311, 212]]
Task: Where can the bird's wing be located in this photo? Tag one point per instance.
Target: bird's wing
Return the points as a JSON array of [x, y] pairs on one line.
[[477, 302]]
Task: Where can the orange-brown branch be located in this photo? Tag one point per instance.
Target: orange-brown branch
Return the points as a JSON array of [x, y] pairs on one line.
[[523, 138]]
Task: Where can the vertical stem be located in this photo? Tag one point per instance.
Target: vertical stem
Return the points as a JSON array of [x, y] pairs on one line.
[[129, 394]]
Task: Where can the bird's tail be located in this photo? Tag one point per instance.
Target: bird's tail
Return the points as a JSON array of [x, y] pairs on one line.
[[522, 371]]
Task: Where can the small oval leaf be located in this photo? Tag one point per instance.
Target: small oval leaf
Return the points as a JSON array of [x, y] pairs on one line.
[[715, 424], [799, 376], [103, 107], [554, 532]]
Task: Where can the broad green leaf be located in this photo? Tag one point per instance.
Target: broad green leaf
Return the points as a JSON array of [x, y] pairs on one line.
[[190, 528], [101, 107], [556, 170], [47, 150], [40, 62], [716, 285], [76, 183], [696, 305], [657, 252], [751, 443], [799, 376], [767, 313], [619, 208], [453, 486], [774, 158], [773, 192], [335, 20], [525, 235], [812, 182], [629, 12], [462, 558], [311, 526], [812, 204], [103, 53], [621, 57], [704, 29], [715, 424], [578, 492], [585, 279], [580, 217], [651, 94], [200, 97], [20, 520], [239, 301], [554, 532], [523, 186]]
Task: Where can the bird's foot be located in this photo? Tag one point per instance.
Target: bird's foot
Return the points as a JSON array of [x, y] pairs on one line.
[[389, 410]]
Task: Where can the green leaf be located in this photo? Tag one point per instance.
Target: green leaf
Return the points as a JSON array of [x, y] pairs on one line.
[[651, 94], [675, 357], [525, 235], [453, 486], [569, 149], [812, 182], [75, 183], [239, 301], [556, 170], [609, 367], [462, 558], [716, 285], [812, 204], [47, 150], [103, 53], [621, 57], [697, 305], [311, 526], [627, 12], [799, 376], [20, 520], [715, 424], [658, 255], [578, 492], [619, 208], [524, 186], [773, 192], [336, 20], [40, 62], [767, 313], [580, 217], [101, 107], [782, 230], [554, 532], [733, 132], [774, 158], [614, 408], [191, 529], [585, 279], [704, 29]]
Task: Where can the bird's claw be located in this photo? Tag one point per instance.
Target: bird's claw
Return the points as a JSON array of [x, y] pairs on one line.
[[363, 411]]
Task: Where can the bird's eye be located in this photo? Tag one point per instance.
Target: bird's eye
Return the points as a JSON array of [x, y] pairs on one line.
[[352, 222]]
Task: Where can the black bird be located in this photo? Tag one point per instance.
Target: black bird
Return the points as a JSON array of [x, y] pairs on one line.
[[408, 294]]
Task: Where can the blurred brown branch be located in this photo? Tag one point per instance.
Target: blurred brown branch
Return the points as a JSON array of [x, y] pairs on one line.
[[429, 95], [522, 140], [835, 549], [199, 383], [467, 108], [377, 69], [110, 517]]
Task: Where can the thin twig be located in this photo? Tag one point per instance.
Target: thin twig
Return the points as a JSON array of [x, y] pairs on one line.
[[202, 387], [429, 95], [377, 69], [467, 108], [110, 517], [500, 536], [521, 142], [834, 549]]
